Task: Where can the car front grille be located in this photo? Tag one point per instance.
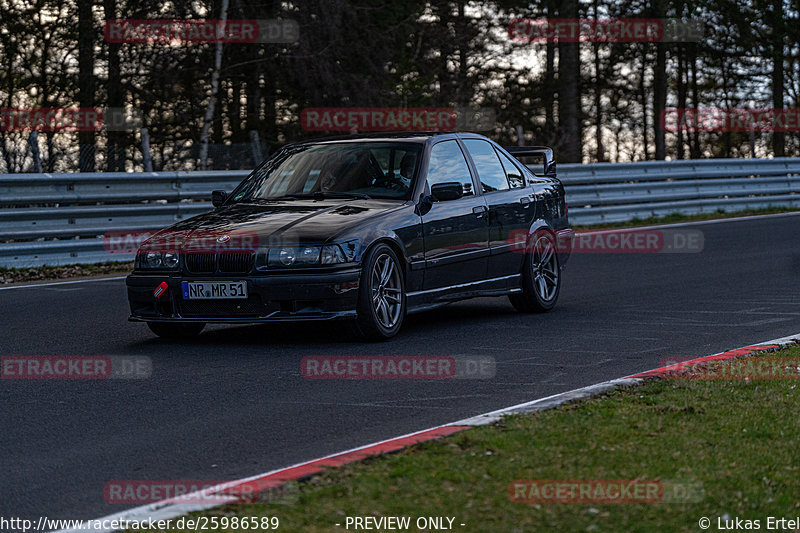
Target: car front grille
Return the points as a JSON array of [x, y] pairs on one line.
[[225, 262], [200, 263], [235, 262]]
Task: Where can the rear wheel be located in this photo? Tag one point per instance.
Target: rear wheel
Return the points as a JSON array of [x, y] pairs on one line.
[[176, 331], [381, 295], [541, 277]]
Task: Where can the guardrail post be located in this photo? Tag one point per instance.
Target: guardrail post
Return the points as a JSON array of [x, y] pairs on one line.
[[147, 160]]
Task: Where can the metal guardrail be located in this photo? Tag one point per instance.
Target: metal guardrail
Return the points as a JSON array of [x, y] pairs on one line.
[[58, 219], [615, 192]]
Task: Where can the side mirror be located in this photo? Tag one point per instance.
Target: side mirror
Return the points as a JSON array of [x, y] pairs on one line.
[[218, 198], [449, 190]]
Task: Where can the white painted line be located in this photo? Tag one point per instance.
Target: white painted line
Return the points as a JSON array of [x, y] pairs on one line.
[[783, 341], [698, 222], [165, 509], [50, 284], [546, 403], [578, 394]]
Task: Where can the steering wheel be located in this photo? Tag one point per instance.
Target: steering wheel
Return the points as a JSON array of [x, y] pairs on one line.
[[394, 183]]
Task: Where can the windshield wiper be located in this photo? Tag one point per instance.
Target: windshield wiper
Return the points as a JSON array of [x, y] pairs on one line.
[[268, 200], [317, 195]]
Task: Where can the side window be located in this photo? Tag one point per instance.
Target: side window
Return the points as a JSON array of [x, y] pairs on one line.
[[515, 177], [490, 171], [448, 164]]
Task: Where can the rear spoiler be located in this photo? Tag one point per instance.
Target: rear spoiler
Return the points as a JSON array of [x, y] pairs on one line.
[[545, 152]]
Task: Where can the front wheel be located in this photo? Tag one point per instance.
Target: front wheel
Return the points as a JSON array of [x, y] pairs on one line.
[[541, 277], [381, 296], [176, 331]]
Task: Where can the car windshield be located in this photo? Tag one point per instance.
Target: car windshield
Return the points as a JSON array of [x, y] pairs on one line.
[[335, 170]]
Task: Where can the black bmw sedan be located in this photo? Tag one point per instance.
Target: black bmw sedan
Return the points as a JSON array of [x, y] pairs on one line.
[[365, 229]]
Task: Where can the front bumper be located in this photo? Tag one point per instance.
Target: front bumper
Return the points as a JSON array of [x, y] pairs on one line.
[[271, 298]]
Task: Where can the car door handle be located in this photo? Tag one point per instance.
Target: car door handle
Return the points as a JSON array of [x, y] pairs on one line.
[[480, 210], [525, 201]]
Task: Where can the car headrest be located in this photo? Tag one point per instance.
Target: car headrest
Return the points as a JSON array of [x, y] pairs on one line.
[[407, 165]]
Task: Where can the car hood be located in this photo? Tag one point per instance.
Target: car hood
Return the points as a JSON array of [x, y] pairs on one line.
[[284, 222]]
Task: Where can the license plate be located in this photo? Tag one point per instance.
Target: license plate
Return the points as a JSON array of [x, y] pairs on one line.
[[209, 290]]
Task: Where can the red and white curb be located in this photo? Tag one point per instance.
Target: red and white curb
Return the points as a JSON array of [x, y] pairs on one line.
[[270, 480], [276, 478]]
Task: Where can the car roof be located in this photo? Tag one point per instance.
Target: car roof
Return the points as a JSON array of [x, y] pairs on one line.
[[410, 136]]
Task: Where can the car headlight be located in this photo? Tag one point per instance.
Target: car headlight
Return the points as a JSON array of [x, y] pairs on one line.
[[153, 260], [301, 256], [332, 254], [169, 259], [288, 256], [350, 249]]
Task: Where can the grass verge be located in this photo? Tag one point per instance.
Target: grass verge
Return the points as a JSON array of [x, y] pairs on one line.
[[736, 439], [18, 275]]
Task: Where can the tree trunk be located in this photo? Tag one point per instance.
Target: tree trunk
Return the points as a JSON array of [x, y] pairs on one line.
[[681, 100], [549, 80], [778, 137], [463, 88], [695, 142], [643, 97], [569, 92], [115, 145], [660, 100], [253, 91], [446, 49], [726, 92], [659, 89], [235, 111], [86, 36], [598, 93], [214, 88]]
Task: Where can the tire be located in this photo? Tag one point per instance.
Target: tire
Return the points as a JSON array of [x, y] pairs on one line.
[[176, 331], [541, 276], [381, 305]]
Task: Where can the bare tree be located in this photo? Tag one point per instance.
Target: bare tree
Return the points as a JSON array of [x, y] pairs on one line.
[[214, 88]]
